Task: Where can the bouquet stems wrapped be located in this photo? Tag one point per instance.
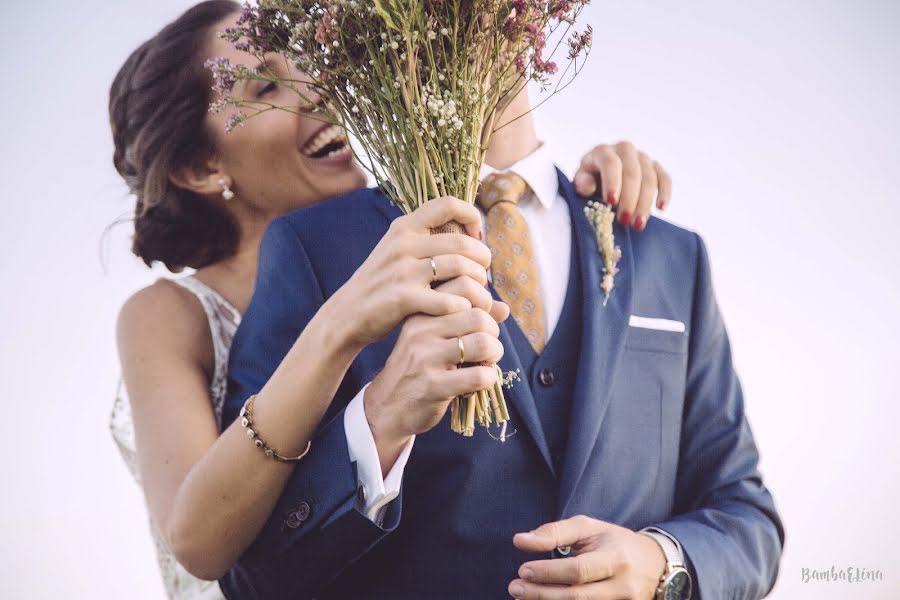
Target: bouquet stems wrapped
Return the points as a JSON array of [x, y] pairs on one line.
[[420, 84]]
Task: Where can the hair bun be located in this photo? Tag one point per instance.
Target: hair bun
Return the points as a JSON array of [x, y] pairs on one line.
[[158, 103]]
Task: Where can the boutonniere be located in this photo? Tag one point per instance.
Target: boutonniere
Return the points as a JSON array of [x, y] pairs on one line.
[[601, 217]]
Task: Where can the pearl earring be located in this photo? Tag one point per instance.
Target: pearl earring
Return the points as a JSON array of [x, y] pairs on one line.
[[226, 191]]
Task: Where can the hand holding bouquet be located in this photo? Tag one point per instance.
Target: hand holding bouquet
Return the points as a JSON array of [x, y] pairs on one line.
[[419, 83]]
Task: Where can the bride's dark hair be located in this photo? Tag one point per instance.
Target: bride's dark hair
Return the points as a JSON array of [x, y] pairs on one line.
[[157, 105]]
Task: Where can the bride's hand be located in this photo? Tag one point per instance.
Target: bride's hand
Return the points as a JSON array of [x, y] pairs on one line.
[[629, 180], [395, 281]]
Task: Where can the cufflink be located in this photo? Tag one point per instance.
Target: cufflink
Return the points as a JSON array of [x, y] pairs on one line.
[[297, 517]]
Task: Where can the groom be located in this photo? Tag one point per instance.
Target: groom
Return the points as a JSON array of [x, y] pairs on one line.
[[633, 467]]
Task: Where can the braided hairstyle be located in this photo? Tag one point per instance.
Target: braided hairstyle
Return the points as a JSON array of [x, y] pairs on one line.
[[157, 106]]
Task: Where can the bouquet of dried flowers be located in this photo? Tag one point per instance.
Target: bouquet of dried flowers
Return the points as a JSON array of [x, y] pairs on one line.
[[420, 84]]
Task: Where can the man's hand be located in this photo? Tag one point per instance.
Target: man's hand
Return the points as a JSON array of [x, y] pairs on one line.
[[411, 394], [607, 562], [630, 181]]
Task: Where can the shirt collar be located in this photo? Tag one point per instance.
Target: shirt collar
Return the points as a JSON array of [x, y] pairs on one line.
[[538, 171]]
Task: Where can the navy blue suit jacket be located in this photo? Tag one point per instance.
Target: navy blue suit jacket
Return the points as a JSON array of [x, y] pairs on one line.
[[657, 435]]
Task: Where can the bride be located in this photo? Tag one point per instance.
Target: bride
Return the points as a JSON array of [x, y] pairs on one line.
[[203, 201]]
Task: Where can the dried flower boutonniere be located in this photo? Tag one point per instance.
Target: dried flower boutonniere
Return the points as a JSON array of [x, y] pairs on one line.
[[601, 217]]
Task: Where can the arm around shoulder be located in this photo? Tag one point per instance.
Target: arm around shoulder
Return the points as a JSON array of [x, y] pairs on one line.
[[315, 521]]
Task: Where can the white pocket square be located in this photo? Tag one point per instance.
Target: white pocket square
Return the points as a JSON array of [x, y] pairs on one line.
[[653, 323]]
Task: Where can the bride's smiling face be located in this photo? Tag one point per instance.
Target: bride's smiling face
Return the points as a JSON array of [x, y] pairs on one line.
[[277, 160]]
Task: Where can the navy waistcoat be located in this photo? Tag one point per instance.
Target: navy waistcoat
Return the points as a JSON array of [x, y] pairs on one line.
[[551, 376]]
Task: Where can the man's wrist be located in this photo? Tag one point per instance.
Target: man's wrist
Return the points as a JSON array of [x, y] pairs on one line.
[[388, 443], [675, 578], [661, 563], [670, 547], [375, 491]]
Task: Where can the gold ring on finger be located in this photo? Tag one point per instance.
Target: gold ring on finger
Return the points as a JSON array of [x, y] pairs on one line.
[[433, 270], [462, 352]]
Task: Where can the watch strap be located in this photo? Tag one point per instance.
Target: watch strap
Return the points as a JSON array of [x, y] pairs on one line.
[[670, 547]]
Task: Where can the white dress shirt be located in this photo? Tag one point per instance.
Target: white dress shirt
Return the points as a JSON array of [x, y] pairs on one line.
[[550, 226]]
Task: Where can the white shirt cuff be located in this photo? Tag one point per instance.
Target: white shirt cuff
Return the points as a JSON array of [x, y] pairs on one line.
[[376, 493]]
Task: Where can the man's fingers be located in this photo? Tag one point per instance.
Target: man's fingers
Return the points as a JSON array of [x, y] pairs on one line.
[[567, 532], [584, 568], [500, 311], [463, 323], [458, 382], [610, 589]]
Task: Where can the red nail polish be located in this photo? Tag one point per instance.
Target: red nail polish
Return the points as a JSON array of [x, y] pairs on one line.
[[639, 223], [625, 218], [610, 199]]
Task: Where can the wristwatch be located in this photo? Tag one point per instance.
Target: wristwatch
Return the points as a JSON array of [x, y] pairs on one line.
[[675, 583]]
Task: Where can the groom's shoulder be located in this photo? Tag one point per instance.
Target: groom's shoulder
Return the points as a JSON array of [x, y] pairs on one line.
[[666, 248], [358, 205], [660, 233], [361, 213]]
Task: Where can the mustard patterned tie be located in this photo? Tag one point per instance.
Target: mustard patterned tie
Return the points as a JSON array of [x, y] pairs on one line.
[[513, 266]]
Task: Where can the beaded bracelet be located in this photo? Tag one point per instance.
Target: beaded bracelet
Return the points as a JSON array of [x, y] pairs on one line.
[[247, 423]]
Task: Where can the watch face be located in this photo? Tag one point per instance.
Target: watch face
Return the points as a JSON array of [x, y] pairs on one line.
[[678, 587]]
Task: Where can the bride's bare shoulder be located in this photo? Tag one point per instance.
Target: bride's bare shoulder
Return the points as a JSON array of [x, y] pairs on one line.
[[166, 315]]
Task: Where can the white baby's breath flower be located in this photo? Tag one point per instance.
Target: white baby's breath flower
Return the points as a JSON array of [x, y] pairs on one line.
[[601, 217]]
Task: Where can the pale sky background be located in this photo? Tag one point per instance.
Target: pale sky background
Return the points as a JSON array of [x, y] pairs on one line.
[[779, 124]]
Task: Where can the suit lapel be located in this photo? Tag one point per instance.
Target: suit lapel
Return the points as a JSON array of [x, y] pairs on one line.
[[602, 340]]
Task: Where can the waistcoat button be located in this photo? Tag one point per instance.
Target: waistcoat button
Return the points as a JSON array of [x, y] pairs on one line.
[[546, 377]]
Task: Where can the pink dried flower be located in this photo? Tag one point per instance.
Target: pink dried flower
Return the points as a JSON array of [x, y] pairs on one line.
[[579, 42], [224, 75]]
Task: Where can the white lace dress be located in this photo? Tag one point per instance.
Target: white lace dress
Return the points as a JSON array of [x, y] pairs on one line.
[[223, 322]]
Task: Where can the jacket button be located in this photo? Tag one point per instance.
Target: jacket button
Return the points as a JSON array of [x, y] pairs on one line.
[[546, 377], [297, 517]]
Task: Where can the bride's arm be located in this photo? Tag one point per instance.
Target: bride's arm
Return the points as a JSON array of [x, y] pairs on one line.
[[210, 495]]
